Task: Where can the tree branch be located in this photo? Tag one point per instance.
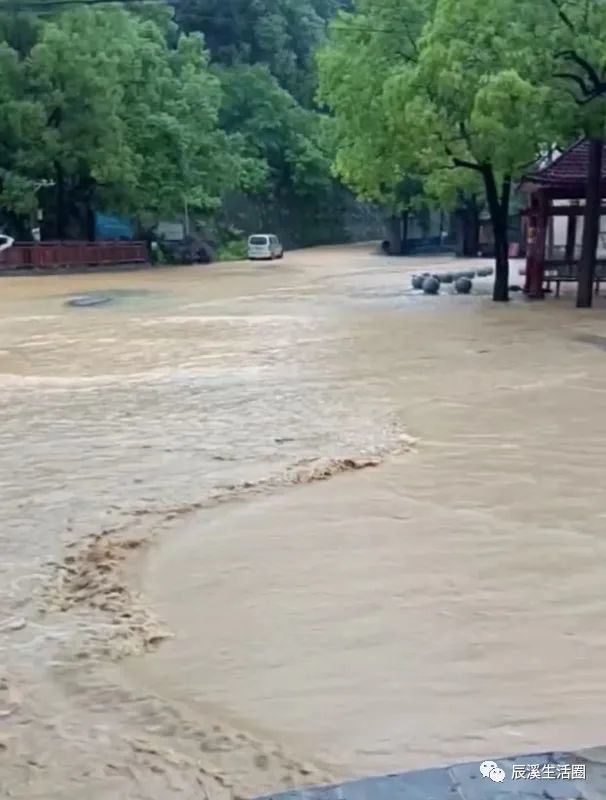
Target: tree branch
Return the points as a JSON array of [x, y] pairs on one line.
[[570, 76], [572, 55], [460, 162], [54, 118], [563, 15], [586, 100]]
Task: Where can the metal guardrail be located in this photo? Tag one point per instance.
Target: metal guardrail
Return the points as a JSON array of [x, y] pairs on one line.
[[34, 255]]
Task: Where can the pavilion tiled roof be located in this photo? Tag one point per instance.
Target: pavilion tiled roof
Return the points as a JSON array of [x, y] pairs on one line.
[[567, 170]]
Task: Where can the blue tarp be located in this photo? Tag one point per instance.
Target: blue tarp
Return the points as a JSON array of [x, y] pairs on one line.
[[108, 226]]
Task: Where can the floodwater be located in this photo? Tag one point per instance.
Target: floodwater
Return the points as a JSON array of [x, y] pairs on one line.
[[268, 525]]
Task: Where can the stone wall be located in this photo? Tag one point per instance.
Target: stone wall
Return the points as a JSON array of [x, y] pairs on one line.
[[335, 218]]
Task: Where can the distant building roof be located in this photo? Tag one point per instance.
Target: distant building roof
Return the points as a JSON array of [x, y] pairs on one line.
[[566, 175]]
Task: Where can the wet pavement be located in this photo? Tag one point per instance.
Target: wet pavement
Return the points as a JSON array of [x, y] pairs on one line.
[[548, 776]]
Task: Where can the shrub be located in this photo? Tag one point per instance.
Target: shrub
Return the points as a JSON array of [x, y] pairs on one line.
[[232, 251]]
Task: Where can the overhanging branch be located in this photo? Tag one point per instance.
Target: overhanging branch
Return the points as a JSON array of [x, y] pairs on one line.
[[461, 162], [563, 15], [570, 76], [589, 69]]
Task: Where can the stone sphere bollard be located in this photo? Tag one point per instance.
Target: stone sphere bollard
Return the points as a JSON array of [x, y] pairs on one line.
[[463, 285], [484, 272], [447, 277], [431, 285], [417, 281], [468, 273]]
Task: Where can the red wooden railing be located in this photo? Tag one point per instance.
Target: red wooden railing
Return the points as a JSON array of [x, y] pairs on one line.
[[41, 255]]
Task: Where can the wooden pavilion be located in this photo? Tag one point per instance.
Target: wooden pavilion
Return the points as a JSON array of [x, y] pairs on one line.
[[558, 190]]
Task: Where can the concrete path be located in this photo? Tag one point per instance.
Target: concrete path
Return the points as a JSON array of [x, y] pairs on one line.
[[548, 776]]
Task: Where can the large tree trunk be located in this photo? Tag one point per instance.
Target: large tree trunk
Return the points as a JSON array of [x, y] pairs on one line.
[[394, 235], [467, 221], [498, 207], [591, 227], [91, 223], [471, 241], [404, 234], [89, 209]]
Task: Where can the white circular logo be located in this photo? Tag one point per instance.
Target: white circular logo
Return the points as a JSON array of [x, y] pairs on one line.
[[497, 775], [486, 768], [490, 769]]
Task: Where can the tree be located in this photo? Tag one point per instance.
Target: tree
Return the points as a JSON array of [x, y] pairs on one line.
[[74, 73], [22, 124], [263, 54], [452, 90], [114, 108], [274, 129], [99, 103], [286, 143], [282, 34], [171, 111]]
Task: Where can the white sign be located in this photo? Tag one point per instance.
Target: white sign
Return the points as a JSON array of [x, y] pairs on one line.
[[170, 231]]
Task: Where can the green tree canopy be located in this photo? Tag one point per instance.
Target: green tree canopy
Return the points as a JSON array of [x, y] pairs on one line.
[[574, 34], [282, 34], [116, 107], [282, 137], [456, 91], [113, 107]]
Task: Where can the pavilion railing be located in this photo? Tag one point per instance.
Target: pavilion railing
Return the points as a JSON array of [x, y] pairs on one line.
[[562, 271]]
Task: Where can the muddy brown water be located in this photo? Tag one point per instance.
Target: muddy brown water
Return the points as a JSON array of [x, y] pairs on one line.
[[353, 529]]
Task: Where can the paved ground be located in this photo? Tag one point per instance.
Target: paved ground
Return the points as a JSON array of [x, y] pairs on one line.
[[549, 776]]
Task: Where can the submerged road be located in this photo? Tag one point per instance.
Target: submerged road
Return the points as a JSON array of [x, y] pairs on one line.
[[268, 526]]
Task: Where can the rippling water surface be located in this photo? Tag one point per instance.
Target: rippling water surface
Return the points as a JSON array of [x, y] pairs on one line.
[[442, 598]]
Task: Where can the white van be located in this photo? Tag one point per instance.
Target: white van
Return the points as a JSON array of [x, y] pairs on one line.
[[264, 245]]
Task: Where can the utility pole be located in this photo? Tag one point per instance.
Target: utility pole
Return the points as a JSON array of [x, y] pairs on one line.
[[185, 216]]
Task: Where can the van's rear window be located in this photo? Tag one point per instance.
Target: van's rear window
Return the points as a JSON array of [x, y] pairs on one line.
[[258, 240]]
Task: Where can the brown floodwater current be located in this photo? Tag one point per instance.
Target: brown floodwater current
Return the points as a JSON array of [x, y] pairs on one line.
[[272, 524]]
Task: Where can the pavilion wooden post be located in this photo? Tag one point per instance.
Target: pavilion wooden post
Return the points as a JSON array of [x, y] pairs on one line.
[[531, 238], [537, 273], [591, 226]]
